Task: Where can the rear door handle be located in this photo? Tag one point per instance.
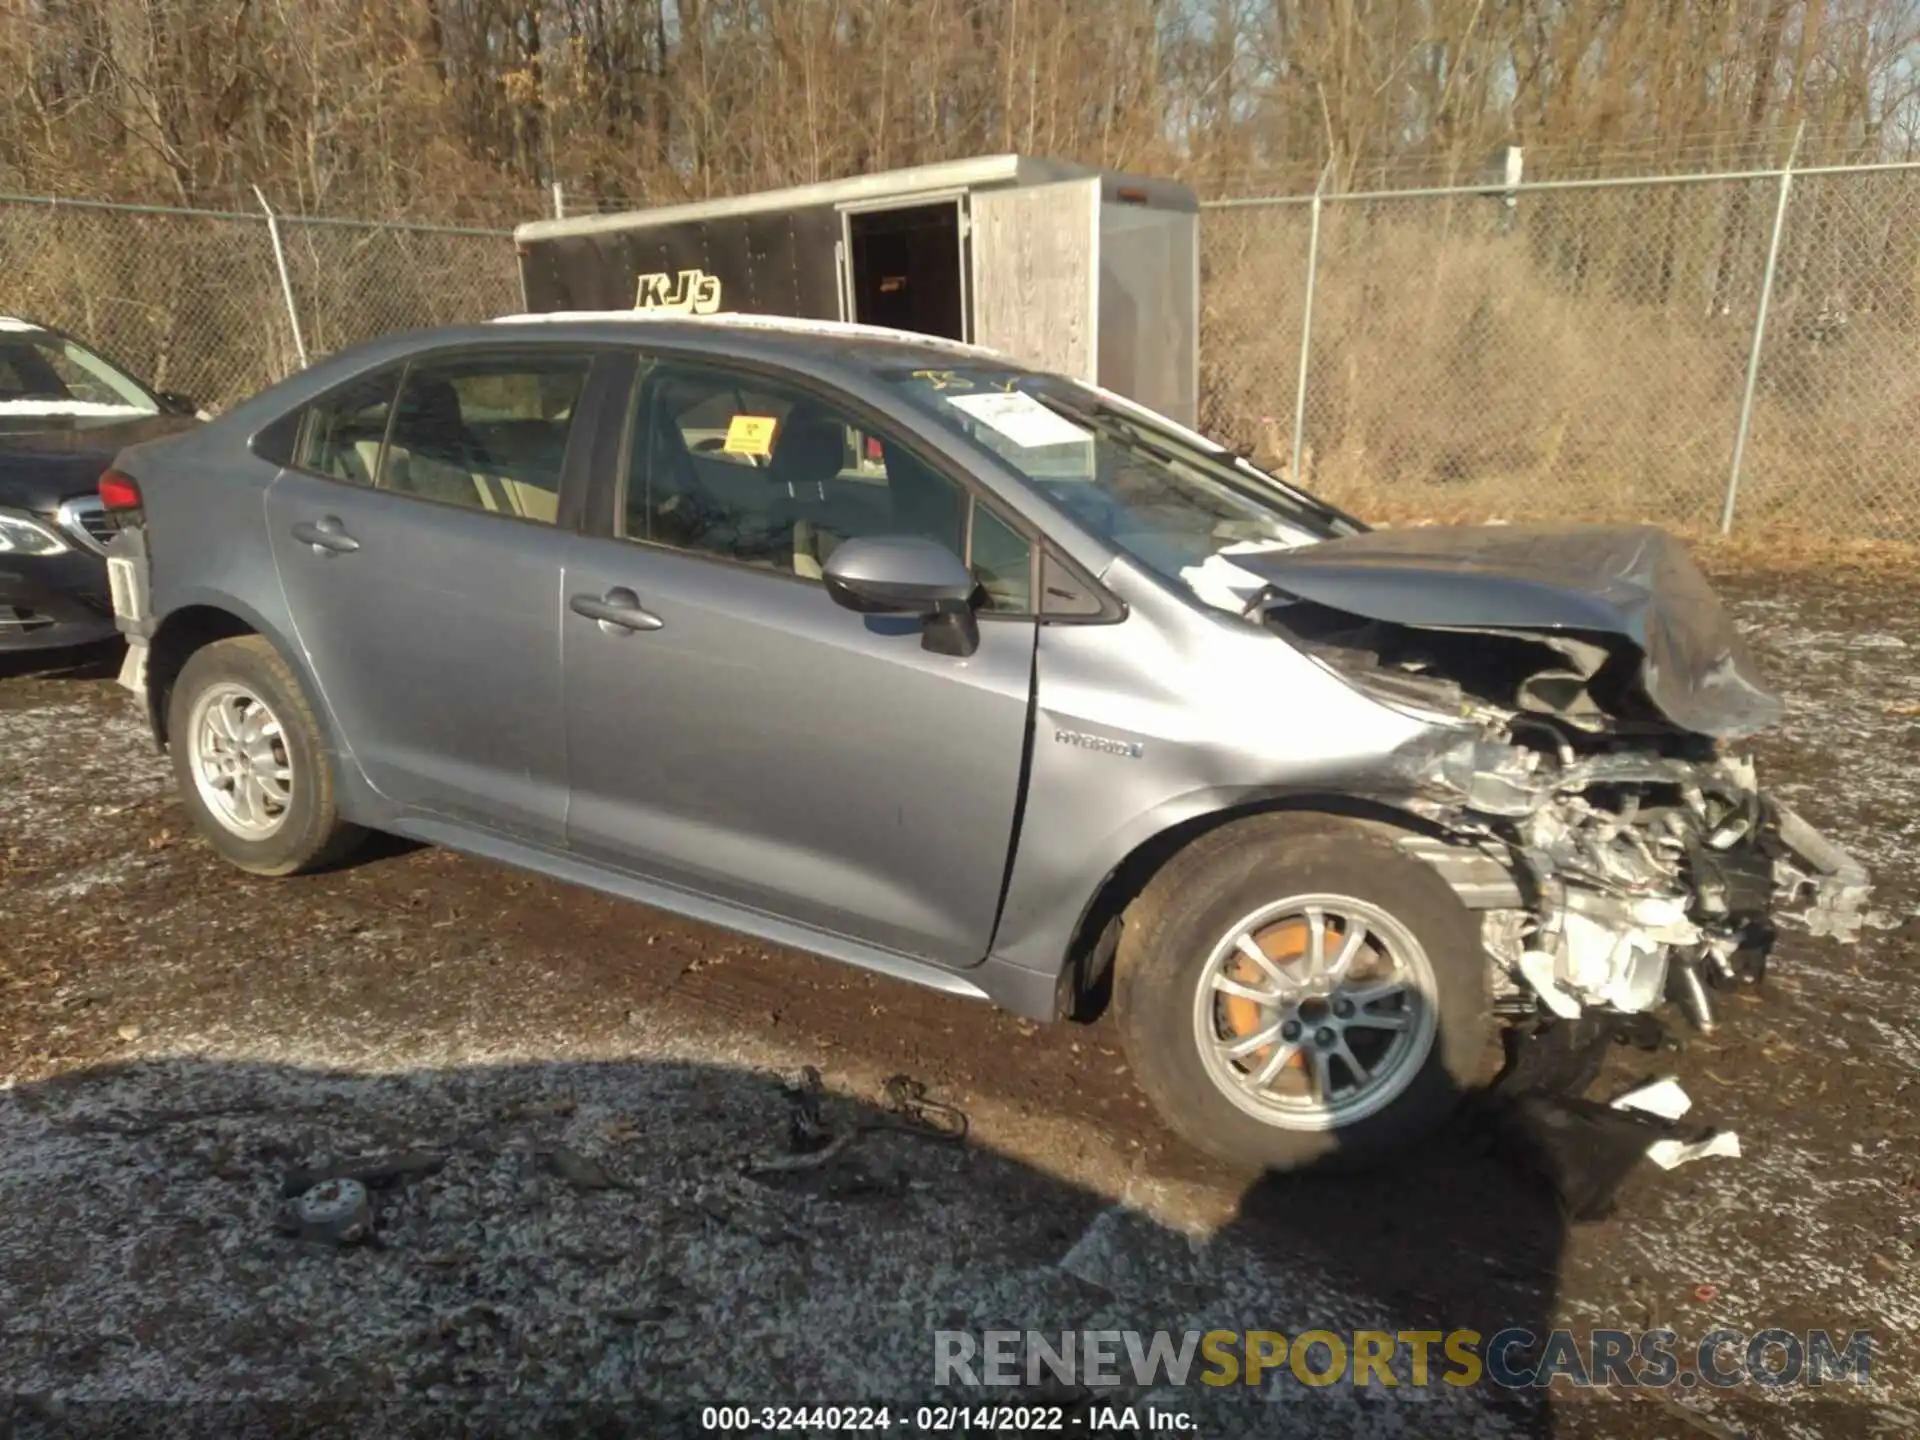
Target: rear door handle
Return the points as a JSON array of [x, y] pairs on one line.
[[327, 536], [618, 610]]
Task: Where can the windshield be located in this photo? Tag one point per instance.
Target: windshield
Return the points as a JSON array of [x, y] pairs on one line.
[[1176, 506], [46, 374]]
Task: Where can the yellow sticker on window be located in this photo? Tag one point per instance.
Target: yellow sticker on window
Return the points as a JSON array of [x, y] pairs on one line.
[[750, 435]]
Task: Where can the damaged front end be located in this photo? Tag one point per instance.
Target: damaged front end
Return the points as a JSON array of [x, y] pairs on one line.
[[1640, 876], [1590, 808]]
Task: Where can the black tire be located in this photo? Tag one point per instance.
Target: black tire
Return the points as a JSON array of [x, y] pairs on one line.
[[311, 833], [1190, 907]]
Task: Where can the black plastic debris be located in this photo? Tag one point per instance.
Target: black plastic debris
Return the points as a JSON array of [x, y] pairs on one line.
[[580, 1171], [375, 1172], [1583, 1149], [813, 1141], [907, 1100], [807, 1129], [1542, 1122], [1559, 1057]]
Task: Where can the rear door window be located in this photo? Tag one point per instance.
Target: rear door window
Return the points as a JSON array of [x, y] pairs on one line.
[[488, 432]]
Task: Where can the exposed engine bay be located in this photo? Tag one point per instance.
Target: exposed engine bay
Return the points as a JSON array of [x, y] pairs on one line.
[[1590, 808]]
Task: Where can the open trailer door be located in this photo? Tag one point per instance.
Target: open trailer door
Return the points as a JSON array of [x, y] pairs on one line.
[[1036, 274]]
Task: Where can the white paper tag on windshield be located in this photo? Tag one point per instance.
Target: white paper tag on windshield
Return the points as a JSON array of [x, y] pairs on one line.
[[1019, 417]]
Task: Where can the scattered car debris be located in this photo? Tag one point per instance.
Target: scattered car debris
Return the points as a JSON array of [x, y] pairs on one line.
[[579, 1171], [1582, 1149], [802, 1160], [812, 1142], [1662, 1097], [338, 1211], [907, 1099], [1561, 1057], [1670, 1154], [806, 1127]]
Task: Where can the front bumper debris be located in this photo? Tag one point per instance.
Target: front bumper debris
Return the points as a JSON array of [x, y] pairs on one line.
[[1835, 886], [1634, 876]]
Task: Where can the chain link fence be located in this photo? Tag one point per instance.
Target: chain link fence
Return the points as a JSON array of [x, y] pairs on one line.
[[193, 300], [1590, 349], [1586, 349]]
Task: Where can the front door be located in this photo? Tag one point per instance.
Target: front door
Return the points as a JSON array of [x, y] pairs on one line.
[[734, 732], [417, 549]]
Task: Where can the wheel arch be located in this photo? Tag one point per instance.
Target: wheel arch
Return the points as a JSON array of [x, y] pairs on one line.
[[191, 627], [1087, 966]]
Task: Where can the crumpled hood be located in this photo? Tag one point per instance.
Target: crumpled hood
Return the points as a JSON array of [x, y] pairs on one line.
[[1636, 582]]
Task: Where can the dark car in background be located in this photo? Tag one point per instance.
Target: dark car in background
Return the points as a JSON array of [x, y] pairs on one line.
[[65, 412]]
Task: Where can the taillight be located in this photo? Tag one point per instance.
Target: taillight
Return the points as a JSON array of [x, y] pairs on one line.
[[119, 492]]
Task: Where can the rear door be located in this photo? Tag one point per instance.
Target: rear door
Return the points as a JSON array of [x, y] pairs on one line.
[[417, 544], [734, 732]]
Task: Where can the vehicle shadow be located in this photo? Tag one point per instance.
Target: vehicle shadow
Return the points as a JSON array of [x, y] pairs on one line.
[[100, 661], [608, 1247]]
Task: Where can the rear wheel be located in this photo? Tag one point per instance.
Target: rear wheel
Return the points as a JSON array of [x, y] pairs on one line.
[[1293, 990], [251, 762]]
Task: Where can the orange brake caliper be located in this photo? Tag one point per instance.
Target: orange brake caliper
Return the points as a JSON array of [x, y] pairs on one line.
[[1283, 944]]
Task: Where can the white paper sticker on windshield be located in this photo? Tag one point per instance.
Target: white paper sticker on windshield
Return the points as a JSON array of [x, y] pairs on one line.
[[1020, 417], [70, 407]]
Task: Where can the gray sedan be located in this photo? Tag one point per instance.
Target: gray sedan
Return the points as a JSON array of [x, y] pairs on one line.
[[892, 650]]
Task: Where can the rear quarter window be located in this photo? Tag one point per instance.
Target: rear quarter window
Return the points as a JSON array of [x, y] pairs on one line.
[[339, 435]]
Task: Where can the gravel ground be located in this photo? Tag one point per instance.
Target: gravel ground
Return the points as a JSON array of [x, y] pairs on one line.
[[596, 1088]]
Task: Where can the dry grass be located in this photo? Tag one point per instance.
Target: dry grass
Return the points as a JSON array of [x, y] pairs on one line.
[[1775, 545], [1578, 367]]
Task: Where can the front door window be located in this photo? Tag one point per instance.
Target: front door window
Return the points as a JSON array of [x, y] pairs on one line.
[[741, 469]]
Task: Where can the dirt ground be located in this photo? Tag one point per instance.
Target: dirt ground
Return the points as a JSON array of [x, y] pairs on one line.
[[592, 1242]]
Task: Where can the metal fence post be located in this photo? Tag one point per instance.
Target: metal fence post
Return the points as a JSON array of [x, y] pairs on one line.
[[1306, 326], [559, 202], [1759, 332], [286, 281]]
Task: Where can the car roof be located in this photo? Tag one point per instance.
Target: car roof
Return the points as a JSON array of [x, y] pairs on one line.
[[846, 354], [777, 336], [842, 354]]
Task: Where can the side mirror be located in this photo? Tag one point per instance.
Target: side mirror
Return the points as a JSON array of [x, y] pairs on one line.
[[907, 575], [176, 403]]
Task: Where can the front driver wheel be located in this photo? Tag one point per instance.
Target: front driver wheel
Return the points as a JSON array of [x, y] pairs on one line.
[[251, 762], [1293, 990]]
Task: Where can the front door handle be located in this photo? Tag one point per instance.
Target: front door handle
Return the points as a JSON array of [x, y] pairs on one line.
[[617, 611], [327, 536]]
